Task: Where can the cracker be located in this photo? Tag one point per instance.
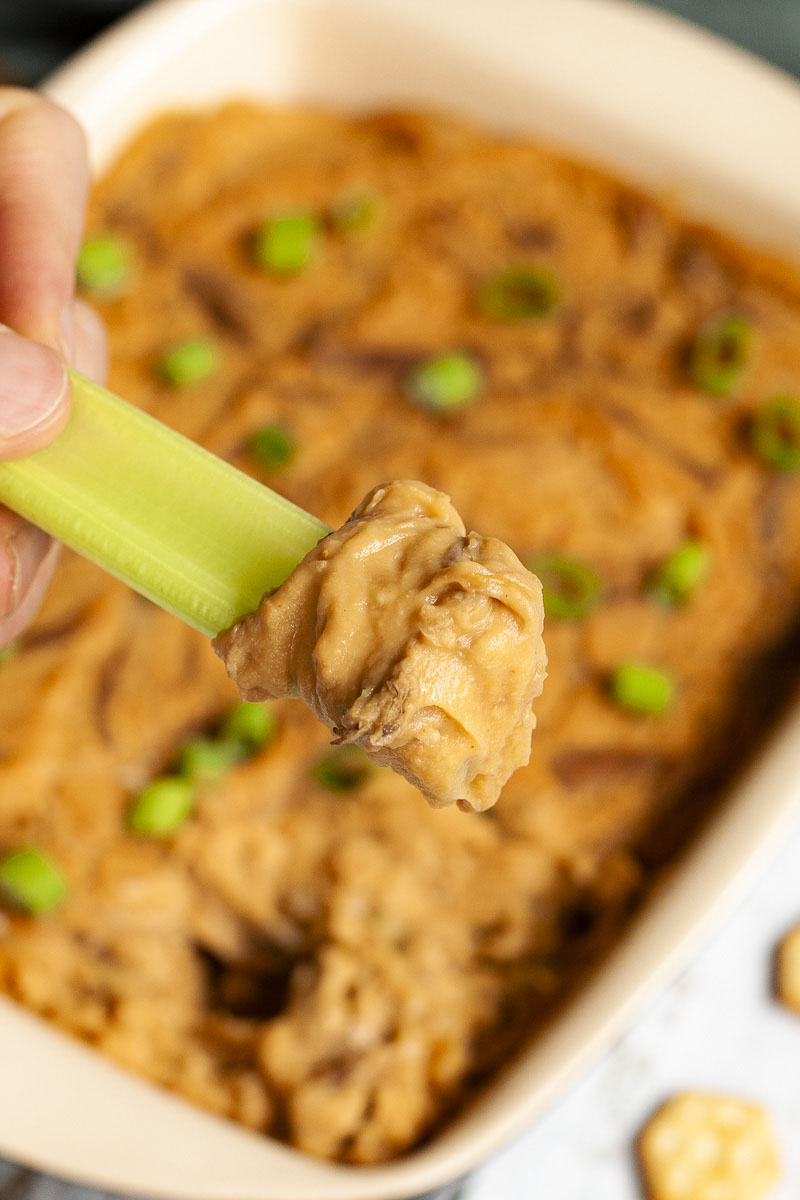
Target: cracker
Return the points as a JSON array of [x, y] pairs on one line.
[[787, 974], [708, 1147]]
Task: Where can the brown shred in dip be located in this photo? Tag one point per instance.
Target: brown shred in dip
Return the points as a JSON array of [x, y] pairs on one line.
[[409, 637]]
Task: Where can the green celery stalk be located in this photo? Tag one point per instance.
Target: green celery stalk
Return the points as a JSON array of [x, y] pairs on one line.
[[181, 526]]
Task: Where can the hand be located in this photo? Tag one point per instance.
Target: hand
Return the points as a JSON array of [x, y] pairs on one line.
[[44, 179]]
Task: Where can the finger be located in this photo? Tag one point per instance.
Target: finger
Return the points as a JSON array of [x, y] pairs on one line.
[[44, 181], [90, 352], [22, 615], [43, 187], [22, 549], [34, 395]]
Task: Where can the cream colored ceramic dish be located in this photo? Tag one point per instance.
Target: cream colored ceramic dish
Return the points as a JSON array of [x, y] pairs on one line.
[[618, 84]]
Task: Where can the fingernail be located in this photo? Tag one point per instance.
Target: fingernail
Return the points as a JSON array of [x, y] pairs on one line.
[[20, 559], [66, 332], [33, 383]]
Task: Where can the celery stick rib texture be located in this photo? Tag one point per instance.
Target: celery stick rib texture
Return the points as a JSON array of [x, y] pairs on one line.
[[178, 524]]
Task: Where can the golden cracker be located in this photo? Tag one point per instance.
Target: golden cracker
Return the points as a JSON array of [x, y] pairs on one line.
[[708, 1147], [787, 974]]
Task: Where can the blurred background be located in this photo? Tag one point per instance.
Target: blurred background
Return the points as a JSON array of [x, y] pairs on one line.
[[35, 35]]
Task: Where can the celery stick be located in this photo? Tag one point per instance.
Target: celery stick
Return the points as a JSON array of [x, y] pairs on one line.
[[178, 524]]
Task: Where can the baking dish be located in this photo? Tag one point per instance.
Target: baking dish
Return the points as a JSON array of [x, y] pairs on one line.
[[599, 78]]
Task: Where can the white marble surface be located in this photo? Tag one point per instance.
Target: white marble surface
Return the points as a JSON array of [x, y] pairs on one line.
[[717, 1028]]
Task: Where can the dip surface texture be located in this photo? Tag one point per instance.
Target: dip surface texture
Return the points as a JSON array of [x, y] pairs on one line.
[[409, 637], [310, 949]]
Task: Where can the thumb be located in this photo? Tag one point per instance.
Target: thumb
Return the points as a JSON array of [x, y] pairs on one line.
[[34, 389]]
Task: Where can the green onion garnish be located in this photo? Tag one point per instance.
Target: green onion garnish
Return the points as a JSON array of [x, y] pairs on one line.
[[721, 354], [8, 652], [642, 689], [204, 760], [675, 580], [342, 769], [446, 383], [162, 807], [570, 588], [104, 265], [272, 448], [355, 212], [252, 725], [775, 433], [180, 525], [519, 294], [285, 244], [188, 362], [31, 882]]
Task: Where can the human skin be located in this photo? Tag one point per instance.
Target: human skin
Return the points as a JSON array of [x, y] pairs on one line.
[[44, 181]]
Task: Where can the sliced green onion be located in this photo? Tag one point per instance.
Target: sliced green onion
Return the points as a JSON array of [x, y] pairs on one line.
[[285, 244], [162, 807], [104, 265], [184, 528], [446, 383], [775, 433], [8, 652], [355, 212], [520, 294], [721, 354], [642, 689], [570, 588], [676, 579], [342, 769], [31, 882], [204, 760], [189, 362], [252, 725], [272, 448]]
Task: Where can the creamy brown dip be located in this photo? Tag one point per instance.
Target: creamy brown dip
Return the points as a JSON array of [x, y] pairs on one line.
[[410, 637]]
